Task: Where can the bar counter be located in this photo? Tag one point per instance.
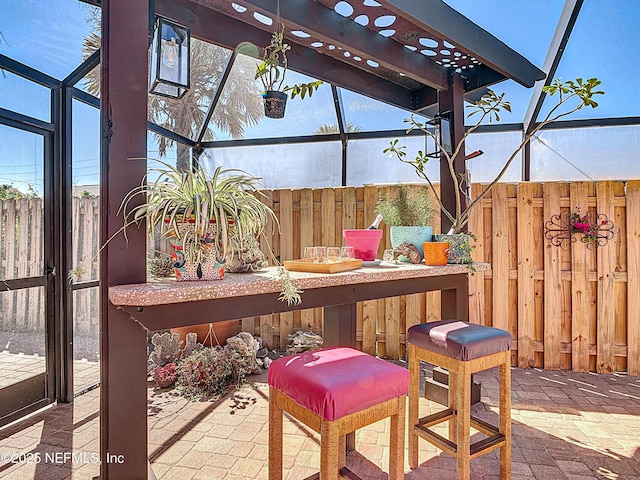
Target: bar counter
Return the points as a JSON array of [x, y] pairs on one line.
[[163, 304]]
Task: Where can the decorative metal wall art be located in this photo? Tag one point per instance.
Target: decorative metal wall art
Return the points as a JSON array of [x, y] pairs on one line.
[[594, 229]]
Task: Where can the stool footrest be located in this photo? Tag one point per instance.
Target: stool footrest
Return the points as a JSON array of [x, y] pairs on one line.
[[494, 440], [483, 426], [439, 441], [486, 445], [436, 418]]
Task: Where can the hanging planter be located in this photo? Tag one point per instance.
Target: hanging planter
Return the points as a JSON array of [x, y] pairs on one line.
[[274, 103], [272, 71]]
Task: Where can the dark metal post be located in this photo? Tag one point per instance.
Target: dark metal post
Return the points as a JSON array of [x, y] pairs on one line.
[[123, 118], [452, 101], [64, 294]]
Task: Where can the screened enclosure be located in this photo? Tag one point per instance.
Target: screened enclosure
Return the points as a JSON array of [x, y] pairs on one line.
[[50, 136]]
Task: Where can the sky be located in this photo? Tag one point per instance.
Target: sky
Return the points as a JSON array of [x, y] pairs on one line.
[[604, 44]]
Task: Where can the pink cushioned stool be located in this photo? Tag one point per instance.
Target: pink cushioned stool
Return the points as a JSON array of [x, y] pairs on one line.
[[335, 391], [463, 348]]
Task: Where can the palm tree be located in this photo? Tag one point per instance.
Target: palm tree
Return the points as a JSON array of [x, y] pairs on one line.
[[239, 106], [329, 128]]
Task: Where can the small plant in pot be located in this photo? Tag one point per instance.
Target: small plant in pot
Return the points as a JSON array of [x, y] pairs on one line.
[[272, 71], [571, 96], [408, 212]]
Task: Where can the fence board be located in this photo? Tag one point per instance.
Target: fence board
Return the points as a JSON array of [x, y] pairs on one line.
[[286, 253], [552, 285], [633, 275], [579, 289], [348, 208], [36, 265], [476, 280], [500, 256], [392, 328], [605, 361], [369, 320], [22, 239], [414, 310], [266, 331], [329, 217], [526, 284], [307, 317]]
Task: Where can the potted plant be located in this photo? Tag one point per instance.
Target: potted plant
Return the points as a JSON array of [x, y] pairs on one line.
[[208, 218], [409, 213], [571, 96], [272, 71]]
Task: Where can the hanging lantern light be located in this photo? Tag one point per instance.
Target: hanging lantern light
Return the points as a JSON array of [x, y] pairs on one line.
[[169, 59]]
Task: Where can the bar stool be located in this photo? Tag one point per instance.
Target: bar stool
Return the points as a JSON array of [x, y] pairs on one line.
[[462, 348], [334, 392]]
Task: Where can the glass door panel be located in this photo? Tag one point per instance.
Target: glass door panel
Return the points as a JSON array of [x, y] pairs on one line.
[[25, 313]]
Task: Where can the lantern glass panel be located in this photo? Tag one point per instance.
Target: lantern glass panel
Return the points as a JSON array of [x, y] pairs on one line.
[[170, 59]]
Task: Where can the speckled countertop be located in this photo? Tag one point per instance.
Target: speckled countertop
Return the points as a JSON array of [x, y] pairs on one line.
[[167, 290]]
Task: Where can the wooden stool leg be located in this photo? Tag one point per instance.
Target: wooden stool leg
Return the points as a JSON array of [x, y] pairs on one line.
[[453, 405], [396, 442], [505, 417], [342, 452], [463, 419], [329, 441], [275, 438], [414, 394]]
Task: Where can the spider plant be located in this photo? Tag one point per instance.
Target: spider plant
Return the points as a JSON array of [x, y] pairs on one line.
[[198, 210], [207, 215]]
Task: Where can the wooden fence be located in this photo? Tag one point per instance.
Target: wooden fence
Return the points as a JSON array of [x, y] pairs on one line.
[[21, 255], [573, 308]]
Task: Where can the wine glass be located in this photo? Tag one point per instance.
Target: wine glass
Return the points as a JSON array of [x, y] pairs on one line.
[[333, 254], [321, 254], [347, 253], [309, 254]]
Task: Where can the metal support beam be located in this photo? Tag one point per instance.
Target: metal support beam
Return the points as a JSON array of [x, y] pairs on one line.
[[342, 130], [21, 121], [216, 96], [437, 17], [25, 71], [559, 41], [63, 185], [82, 70], [452, 101], [123, 124], [565, 26]]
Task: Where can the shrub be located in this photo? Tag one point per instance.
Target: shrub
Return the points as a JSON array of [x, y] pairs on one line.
[[406, 207]]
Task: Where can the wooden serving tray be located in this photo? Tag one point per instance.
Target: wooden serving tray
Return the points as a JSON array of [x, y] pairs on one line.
[[341, 266]]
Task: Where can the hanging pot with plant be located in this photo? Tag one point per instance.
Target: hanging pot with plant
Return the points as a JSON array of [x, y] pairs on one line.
[[274, 103], [272, 71]]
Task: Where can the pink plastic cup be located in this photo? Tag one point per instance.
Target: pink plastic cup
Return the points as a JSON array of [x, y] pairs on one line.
[[365, 242]]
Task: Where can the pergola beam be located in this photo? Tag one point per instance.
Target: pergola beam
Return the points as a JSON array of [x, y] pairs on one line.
[[561, 36], [230, 33], [438, 18], [332, 28]]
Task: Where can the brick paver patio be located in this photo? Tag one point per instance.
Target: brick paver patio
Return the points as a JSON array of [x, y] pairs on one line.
[[565, 426]]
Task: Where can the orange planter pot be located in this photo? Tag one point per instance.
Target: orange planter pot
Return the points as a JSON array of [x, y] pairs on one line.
[[436, 253]]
